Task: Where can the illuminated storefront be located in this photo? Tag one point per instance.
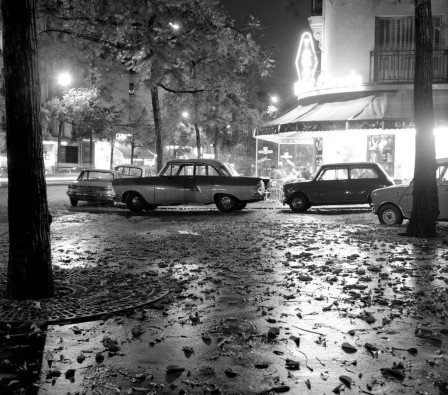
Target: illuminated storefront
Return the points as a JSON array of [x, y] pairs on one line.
[[340, 116]]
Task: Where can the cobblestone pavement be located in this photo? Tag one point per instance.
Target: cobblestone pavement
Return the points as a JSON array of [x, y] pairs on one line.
[[260, 301]]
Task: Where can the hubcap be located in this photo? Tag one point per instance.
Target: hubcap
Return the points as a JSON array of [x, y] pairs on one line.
[[226, 201], [297, 202], [137, 202], [389, 216]]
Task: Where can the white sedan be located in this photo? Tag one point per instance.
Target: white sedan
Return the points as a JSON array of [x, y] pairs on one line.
[[394, 203]]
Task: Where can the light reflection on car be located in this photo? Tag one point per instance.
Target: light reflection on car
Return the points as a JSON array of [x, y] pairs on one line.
[[394, 204], [191, 182], [93, 185]]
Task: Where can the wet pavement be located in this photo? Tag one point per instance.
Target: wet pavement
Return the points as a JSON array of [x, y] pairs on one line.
[[259, 301]]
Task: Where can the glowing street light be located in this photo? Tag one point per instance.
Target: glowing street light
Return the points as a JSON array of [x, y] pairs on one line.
[[64, 79], [185, 114], [174, 25], [274, 99]]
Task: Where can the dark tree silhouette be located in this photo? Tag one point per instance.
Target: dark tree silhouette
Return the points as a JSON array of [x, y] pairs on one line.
[[29, 266], [425, 208]]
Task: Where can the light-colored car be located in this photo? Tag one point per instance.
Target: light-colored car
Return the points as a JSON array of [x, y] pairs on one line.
[[190, 182], [393, 204], [93, 185]]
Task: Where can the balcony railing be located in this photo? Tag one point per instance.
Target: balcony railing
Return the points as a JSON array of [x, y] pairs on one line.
[[398, 66]]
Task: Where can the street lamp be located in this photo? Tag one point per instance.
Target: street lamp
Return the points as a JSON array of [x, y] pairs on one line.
[[64, 79], [185, 114]]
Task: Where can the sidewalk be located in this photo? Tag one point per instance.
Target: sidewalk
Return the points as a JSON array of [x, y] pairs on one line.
[[258, 302]]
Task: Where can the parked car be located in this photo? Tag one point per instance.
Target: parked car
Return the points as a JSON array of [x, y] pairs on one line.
[[393, 204], [190, 182], [134, 171], [93, 185], [336, 184]]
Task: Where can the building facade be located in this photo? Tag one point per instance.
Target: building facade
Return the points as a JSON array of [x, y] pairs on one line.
[[355, 87]]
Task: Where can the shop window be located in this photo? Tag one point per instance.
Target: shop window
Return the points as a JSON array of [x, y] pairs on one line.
[[381, 149]]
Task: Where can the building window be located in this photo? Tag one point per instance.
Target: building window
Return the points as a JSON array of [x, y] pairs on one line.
[[68, 154], [393, 59], [397, 33]]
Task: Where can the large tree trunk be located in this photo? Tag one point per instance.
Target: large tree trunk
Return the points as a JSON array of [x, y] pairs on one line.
[[29, 267], [157, 126], [425, 208]]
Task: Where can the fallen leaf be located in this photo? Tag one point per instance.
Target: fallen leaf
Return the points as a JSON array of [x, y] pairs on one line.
[[348, 348]]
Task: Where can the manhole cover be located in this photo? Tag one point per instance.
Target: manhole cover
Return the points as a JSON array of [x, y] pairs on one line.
[[82, 295]]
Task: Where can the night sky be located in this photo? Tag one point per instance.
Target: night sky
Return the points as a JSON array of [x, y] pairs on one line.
[[283, 21]]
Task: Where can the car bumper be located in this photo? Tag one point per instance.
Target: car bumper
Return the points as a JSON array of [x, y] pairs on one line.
[[94, 197]]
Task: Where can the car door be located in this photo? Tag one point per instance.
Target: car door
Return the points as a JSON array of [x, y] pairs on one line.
[[198, 187], [442, 186], [362, 181], [330, 186], [170, 188]]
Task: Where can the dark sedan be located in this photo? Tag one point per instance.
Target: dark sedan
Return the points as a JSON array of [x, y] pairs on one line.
[[336, 184]]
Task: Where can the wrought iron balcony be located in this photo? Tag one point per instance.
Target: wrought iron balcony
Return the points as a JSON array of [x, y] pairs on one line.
[[399, 66]]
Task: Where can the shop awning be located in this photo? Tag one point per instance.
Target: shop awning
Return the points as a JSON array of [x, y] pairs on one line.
[[353, 110]]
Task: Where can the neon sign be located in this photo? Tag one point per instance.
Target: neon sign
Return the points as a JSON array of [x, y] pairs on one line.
[[306, 60]]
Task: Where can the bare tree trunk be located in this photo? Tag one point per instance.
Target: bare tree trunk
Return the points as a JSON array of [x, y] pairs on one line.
[[30, 274], [157, 126], [425, 208], [196, 126], [216, 141]]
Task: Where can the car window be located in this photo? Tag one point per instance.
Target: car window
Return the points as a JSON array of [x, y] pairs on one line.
[[357, 173], [171, 170], [185, 170], [206, 170], [333, 174], [96, 175]]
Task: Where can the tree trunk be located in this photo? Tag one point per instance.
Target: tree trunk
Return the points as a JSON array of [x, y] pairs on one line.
[[196, 126], [425, 208], [30, 274], [157, 126], [216, 141]]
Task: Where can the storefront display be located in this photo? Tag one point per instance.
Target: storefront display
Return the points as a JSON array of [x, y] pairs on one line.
[[381, 149]]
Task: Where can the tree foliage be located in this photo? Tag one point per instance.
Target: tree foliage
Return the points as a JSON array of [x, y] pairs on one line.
[[207, 58]]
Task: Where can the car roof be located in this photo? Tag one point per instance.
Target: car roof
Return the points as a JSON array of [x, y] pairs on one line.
[[352, 164], [100, 170], [206, 161]]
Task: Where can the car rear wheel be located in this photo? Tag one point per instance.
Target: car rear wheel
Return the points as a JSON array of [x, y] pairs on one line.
[[74, 202], [135, 202], [390, 214], [298, 203], [226, 203]]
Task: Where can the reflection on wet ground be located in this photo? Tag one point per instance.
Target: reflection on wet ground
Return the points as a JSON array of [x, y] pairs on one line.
[[260, 302]]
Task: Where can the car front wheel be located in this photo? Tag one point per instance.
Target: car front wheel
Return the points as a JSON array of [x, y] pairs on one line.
[[390, 214], [135, 202], [74, 202], [226, 203], [298, 203]]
